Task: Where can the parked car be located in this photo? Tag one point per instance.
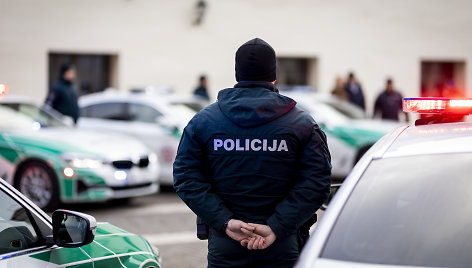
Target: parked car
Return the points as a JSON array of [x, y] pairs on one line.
[[30, 238], [152, 119], [350, 132], [50, 162], [407, 202]]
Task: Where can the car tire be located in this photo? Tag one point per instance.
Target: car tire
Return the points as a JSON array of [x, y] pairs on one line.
[[37, 181]]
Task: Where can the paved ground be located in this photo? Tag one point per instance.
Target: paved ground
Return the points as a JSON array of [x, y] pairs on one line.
[[163, 219]]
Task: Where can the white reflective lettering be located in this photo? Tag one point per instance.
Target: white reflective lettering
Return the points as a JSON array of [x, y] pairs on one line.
[[228, 145], [283, 146], [217, 143], [274, 146], [238, 146], [253, 145]]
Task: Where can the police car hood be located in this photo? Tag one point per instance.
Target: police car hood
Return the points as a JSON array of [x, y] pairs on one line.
[[253, 105]]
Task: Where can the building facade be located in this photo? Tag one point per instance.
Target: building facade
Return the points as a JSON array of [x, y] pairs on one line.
[[423, 45]]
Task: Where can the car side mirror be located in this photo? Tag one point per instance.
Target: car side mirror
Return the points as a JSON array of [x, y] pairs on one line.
[[72, 229], [332, 191]]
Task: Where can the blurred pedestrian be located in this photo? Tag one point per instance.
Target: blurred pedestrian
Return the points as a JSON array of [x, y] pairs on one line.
[[354, 92], [254, 167], [63, 95], [388, 104], [201, 90], [339, 89]]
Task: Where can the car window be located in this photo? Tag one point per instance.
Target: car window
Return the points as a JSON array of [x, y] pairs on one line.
[[16, 231], [23, 116], [143, 113], [107, 110], [408, 211]]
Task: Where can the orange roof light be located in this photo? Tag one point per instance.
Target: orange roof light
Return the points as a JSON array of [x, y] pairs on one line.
[[3, 89]]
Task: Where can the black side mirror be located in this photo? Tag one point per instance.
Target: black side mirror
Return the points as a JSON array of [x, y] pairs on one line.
[[334, 188], [72, 229]]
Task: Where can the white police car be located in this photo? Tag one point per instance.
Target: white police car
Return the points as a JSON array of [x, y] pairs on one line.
[[50, 162], [349, 131], [407, 202]]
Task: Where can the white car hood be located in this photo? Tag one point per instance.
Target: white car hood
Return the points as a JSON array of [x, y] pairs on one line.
[[110, 146]]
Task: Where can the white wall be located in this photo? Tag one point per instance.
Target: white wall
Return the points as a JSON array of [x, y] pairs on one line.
[[158, 45]]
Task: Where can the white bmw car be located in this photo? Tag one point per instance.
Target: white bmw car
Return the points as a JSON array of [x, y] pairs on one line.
[[148, 117], [50, 162]]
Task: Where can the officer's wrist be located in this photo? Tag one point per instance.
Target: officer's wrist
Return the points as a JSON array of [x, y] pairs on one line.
[[225, 226]]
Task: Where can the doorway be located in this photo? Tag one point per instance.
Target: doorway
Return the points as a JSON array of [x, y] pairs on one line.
[[95, 72], [296, 73], [443, 79]]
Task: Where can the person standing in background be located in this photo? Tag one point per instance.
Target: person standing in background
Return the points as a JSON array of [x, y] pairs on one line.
[[388, 104], [201, 90], [339, 89], [354, 92], [63, 95]]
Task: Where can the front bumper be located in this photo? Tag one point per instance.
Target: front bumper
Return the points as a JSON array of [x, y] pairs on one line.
[[106, 193], [109, 183]]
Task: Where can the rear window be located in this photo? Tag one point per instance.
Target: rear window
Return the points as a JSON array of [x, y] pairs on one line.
[[408, 211]]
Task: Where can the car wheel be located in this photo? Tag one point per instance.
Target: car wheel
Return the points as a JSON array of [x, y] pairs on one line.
[[38, 182]]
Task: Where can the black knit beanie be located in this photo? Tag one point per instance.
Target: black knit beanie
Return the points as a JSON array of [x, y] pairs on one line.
[[255, 61]]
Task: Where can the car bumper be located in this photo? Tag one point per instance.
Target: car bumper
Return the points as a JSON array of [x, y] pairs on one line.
[[109, 183]]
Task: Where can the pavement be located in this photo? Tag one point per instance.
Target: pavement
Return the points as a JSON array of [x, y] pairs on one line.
[[163, 219]]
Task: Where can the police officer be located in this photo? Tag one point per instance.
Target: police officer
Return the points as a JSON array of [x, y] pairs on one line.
[[253, 166]]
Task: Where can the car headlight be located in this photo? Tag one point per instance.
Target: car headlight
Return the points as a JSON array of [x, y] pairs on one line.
[[82, 161], [152, 158]]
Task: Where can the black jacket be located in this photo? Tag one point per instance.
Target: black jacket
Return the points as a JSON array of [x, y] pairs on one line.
[[253, 156], [63, 98]]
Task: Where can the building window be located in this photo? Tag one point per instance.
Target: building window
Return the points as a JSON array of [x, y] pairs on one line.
[[443, 79], [296, 73], [95, 72]]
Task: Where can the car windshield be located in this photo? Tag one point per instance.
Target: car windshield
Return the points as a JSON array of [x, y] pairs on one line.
[[408, 211], [26, 116], [346, 109]]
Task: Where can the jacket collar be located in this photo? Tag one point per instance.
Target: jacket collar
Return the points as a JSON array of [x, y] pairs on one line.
[[251, 84]]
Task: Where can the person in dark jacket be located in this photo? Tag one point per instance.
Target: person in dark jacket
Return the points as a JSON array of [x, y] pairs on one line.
[[389, 103], [201, 90], [253, 166], [63, 95], [354, 92]]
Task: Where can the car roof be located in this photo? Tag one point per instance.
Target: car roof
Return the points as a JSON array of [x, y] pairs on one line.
[[16, 99], [428, 139]]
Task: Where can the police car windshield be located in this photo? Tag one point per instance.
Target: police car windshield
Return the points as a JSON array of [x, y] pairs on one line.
[[408, 211], [347, 109], [26, 116]]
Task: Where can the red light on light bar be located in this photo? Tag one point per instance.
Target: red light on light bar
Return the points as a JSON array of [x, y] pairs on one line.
[[437, 105], [423, 105]]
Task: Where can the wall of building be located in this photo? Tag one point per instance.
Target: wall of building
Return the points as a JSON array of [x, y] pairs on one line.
[[157, 43]]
